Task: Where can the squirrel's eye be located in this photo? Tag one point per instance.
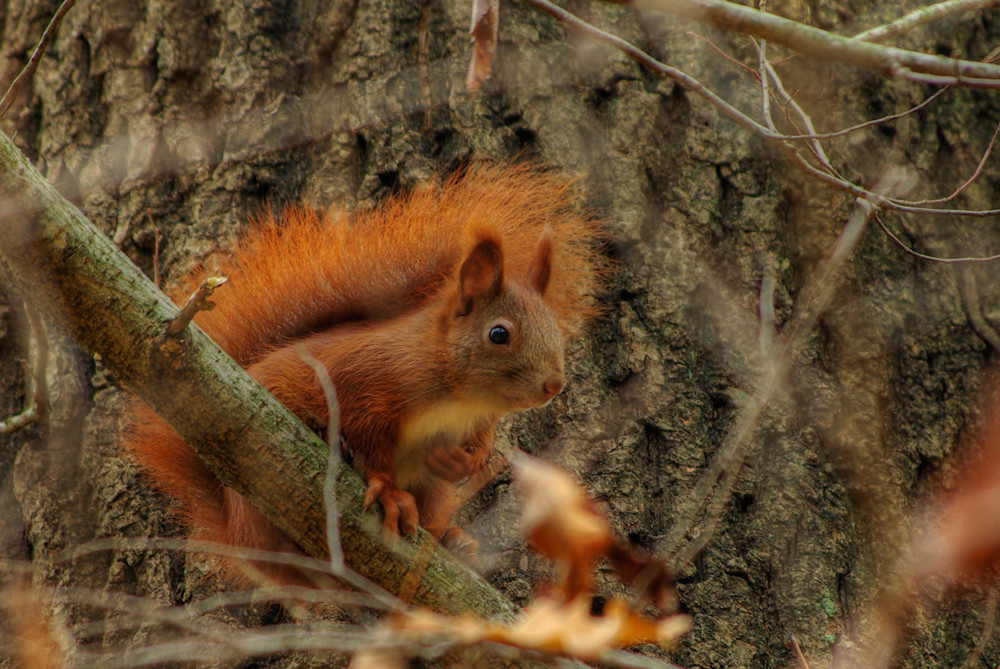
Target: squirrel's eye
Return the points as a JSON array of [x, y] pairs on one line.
[[499, 335]]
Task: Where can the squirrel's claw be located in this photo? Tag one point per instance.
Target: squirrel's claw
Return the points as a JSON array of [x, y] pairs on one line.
[[376, 485], [400, 507], [400, 513], [460, 543]]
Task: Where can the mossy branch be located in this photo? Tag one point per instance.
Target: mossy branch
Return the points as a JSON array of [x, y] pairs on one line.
[[76, 275]]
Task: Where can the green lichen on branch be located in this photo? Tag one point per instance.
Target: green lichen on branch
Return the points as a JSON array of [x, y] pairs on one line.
[[72, 272]]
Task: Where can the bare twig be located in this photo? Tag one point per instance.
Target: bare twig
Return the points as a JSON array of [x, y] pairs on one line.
[[719, 50], [655, 65], [974, 310], [708, 500], [337, 564], [141, 610], [745, 121], [789, 102], [989, 626], [821, 44], [29, 69], [975, 175], [765, 95], [821, 135], [922, 16], [297, 560], [333, 459], [873, 122], [37, 396], [923, 256], [239, 645], [798, 653], [766, 312], [156, 247], [191, 616], [197, 302]]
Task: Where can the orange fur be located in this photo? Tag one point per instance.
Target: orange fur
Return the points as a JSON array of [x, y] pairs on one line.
[[396, 303]]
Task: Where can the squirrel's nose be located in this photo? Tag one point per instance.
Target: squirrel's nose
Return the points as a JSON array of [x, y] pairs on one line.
[[552, 386]]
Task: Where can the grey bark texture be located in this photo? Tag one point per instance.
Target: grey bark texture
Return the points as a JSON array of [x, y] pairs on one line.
[[171, 124]]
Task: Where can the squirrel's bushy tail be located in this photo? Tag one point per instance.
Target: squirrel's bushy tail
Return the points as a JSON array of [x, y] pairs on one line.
[[305, 271]]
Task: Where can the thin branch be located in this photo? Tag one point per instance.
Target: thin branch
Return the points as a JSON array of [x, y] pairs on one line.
[[798, 653], [333, 468], [37, 396], [192, 616], [719, 50], [975, 174], [873, 122], [742, 119], [974, 310], [824, 45], [29, 69], [379, 598], [822, 135], [765, 339], [141, 611], [923, 256], [299, 561], [817, 148], [765, 95], [655, 65], [239, 646], [922, 16], [710, 496], [198, 301], [989, 626], [333, 458]]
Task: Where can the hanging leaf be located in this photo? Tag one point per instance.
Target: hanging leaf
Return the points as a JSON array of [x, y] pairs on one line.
[[563, 523], [484, 30]]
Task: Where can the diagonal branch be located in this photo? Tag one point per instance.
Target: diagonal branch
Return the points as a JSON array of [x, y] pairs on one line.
[[250, 440], [29, 69]]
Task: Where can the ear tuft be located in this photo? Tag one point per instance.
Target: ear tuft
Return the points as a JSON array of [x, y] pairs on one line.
[[540, 270], [481, 274]]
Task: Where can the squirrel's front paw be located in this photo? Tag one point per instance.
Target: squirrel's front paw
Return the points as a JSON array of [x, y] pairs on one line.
[[400, 507], [452, 463], [460, 543]]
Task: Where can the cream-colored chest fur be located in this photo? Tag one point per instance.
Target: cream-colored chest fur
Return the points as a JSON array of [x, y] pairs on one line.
[[446, 423]]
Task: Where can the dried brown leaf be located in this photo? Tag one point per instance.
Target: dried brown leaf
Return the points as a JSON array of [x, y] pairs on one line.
[[554, 626], [562, 522], [484, 31]]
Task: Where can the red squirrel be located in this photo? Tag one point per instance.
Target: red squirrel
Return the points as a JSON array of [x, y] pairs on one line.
[[436, 313]]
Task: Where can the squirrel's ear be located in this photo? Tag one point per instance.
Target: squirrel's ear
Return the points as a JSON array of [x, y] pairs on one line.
[[481, 275], [541, 265]]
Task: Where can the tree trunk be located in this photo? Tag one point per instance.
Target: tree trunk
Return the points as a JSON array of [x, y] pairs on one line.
[[171, 124]]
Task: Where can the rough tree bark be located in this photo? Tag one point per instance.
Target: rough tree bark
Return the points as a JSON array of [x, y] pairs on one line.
[[171, 123]]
